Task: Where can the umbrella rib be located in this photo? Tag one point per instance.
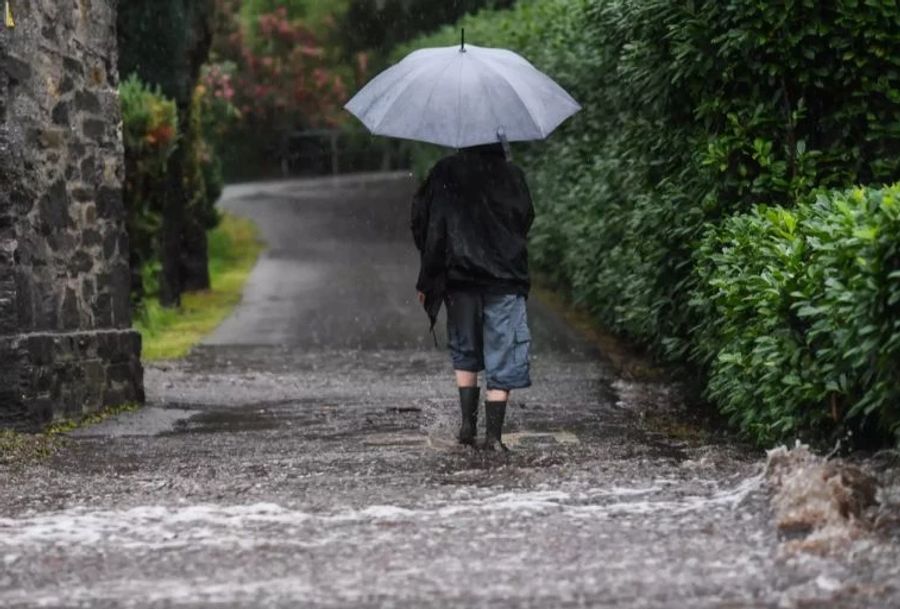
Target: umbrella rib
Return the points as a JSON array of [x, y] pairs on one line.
[[513, 87], [459, 112], [485, 93]]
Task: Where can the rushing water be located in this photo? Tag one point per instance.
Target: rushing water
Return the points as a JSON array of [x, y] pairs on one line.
[[294, 500]]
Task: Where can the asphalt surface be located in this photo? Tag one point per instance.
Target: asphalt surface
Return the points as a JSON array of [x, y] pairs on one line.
[[304, 457]]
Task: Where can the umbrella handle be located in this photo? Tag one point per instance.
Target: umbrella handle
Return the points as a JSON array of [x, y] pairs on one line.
[[507, 150]]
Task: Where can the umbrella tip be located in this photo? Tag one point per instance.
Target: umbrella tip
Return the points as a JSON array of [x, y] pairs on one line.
[[462, 41]]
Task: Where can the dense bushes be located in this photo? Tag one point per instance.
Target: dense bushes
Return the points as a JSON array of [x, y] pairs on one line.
[[705, 109], [696, 111], [802, 314]]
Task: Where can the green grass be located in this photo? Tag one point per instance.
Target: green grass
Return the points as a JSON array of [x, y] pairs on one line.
[[234, 247]]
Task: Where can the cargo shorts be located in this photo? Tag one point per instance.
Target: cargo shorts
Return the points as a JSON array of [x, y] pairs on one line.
[[489, 332]]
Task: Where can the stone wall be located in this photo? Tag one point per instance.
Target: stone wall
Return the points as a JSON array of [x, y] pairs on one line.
[[66, 343]]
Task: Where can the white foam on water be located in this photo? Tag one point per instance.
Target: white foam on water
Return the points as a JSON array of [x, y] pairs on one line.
[[828, 584], [376, 512], [256, 524], [618, 491], [170, 591], [81, 526]]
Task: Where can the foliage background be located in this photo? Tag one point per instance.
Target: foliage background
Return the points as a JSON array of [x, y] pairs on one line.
[[294, 64]]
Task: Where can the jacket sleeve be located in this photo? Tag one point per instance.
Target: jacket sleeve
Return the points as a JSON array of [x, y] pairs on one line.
[[429, 232], [419, 213], [433, 250]]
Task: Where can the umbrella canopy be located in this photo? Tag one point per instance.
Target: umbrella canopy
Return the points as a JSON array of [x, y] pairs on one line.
[[462, 96]]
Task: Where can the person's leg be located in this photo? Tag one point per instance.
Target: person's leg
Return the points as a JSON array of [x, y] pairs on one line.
[[497, 395], [465, 378], [464, 334], [507, 341]]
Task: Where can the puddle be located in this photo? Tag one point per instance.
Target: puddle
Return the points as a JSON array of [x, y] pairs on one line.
[[147, 421], [402, 440], [230, 422], [538, 440]]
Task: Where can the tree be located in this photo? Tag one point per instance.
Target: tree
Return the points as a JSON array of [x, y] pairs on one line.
[[165, 43], [283, 74]]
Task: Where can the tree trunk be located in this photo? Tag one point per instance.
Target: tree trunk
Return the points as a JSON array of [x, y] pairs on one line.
[[194, 256], [171, 281]]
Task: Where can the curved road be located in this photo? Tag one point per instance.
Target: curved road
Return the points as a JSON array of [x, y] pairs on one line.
[[303, 457]]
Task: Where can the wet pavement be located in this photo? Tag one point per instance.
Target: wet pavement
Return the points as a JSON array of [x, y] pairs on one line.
[[304, 457]]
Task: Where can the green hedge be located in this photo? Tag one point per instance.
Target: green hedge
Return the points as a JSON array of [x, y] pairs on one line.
[[695, 111], [802, 315]]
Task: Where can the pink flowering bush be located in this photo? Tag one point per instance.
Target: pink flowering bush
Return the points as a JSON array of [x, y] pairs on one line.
[[276, 71]]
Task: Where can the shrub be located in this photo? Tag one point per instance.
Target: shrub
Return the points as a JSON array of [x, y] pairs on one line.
[[802, 315], [150, 133], [282, 78], [149, 123]]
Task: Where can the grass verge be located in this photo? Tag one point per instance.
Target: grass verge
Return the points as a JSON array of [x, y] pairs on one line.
[[234, 247]]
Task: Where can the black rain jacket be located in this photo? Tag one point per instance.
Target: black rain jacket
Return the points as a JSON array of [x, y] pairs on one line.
[[470, 221]]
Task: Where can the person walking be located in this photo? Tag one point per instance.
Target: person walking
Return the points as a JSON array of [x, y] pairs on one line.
[[471, 217], [470, 221]]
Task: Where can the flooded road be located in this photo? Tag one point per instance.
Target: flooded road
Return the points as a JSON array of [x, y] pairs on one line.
[[304, 457]]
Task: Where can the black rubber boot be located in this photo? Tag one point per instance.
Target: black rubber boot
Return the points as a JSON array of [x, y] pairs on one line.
[[494, 414], [468, 402]]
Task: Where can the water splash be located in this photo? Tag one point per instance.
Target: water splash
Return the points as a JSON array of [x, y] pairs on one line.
[[820, 504]]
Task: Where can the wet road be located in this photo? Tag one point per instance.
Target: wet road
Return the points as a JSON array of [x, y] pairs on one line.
[[303, 457]]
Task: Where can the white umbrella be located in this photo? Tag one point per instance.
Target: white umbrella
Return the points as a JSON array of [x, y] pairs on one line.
[[463, 96]]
